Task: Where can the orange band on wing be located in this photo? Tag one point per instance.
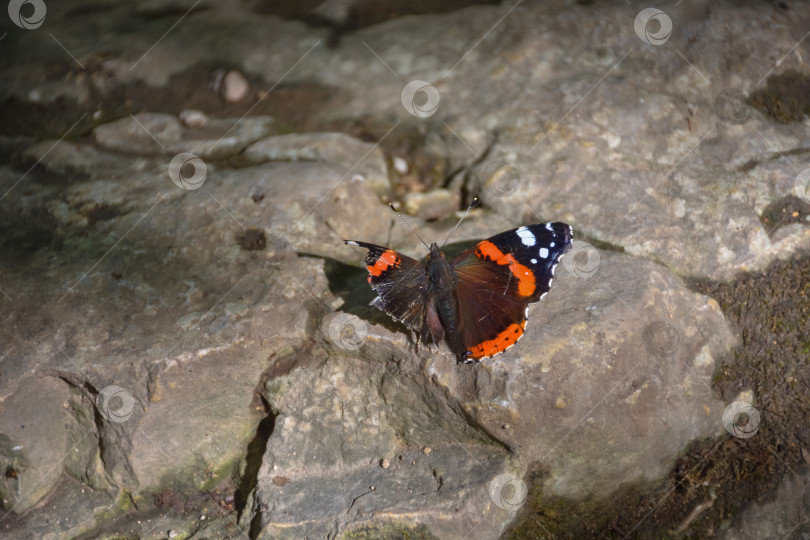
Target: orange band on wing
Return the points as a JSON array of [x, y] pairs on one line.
[[384, 262], [525, 278], [500, 343]]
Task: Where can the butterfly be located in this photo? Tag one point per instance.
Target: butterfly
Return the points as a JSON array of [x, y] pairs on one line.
[[478, 301]]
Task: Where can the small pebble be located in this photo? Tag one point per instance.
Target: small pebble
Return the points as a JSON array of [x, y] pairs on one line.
[[400, 165], [437, 204], [193, 118], [426, 450], [385, 463], [234, 87]]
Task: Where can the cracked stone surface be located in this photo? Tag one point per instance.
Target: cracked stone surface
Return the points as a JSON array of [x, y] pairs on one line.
[[204, 363]]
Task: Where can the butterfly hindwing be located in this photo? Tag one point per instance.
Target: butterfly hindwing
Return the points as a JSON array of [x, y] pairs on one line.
[[488, 322]]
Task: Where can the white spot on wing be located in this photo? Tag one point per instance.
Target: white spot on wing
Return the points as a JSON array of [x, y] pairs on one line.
[[534, 261], [526, 236], [351, 243], [552, 244], [548, 227], [543, 253]]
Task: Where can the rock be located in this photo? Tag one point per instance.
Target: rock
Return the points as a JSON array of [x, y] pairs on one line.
[[400, 165], [152, 134], [33, 412], [234, 87], [626, 350], [436, 204], [188, 407], [145, 134], [68, 511], [355, 157], [193, 118], [114, 446], [327, 435], [82, 161], [153, 354]]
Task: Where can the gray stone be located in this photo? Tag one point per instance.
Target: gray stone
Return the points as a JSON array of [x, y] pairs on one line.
[[143, 134], [137, 329], [152, 134], [355, 157], [85, 161], [34, 441], [437, 204], [71, 509], [610, 381], [321, 470]]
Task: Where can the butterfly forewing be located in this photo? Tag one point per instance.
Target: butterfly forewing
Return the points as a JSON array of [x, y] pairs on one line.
[[518, 263], [400, 283], [497, 278]]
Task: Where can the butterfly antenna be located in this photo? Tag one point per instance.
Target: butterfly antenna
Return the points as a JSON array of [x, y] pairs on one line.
[[408, 225], [472, 204]]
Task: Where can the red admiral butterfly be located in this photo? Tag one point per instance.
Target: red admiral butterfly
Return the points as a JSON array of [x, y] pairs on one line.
[[478, 301]]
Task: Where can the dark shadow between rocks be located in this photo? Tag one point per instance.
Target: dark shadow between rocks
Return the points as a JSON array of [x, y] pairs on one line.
[[253, 463]]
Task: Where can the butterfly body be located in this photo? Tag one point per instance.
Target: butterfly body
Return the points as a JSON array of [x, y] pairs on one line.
[[478, 301]]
